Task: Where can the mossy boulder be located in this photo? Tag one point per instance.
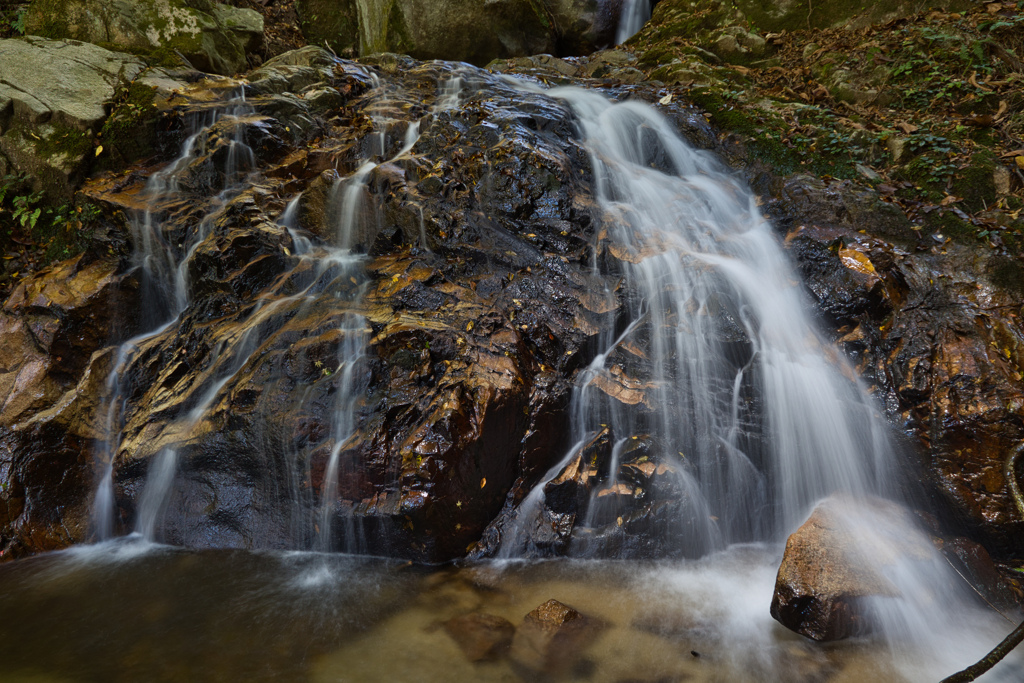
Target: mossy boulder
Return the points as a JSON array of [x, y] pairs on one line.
[[213, 37], [460, 30], [53, 98]]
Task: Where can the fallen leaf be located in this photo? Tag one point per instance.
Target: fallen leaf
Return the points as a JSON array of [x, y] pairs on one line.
[[973, 80], [99, 150], [667, 99], [1002, 110], [982, 121], [856, 261], [1020, 162], [906, 127], [886, 189]]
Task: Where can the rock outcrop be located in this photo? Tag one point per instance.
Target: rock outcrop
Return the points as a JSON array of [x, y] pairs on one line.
[[461, 30], [53, 98], [212, 36], [479, 301]]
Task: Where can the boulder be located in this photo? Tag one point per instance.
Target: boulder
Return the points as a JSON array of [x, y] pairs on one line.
[[213, 37], [460, 30], [53, 98], [837, 560], [481, 636], [551, 640]]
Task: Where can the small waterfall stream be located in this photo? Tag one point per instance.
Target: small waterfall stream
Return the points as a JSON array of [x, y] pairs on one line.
[[163, 268], [635, 14]]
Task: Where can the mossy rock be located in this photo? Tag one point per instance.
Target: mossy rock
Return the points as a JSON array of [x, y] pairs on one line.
[[459, 30], [129, 133], [213, 37], [976, 183]]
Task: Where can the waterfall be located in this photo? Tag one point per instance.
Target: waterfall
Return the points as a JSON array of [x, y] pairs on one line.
[[163, 268], [635, 14], [741, 389], [765, 421], [743, 406]]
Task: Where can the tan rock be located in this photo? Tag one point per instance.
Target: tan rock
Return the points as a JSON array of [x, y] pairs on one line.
[[481, 636], [551, 638], [836, 560]]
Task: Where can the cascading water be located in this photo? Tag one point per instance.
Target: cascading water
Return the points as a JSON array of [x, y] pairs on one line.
[[323, 274], [740, 387], [764, 424], [735, 398], [163, 269], [635, 14]]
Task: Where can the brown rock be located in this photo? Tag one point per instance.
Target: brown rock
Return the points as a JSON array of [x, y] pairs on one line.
[[481, 636], [835, 560], [975, 565], [551, 638]]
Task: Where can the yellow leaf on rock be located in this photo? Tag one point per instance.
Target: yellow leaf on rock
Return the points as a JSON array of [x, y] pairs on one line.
[[99, 150], [855, 260]]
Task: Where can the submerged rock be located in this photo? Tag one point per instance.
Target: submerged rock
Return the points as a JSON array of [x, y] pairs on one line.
[[551, 639], [481, 636]]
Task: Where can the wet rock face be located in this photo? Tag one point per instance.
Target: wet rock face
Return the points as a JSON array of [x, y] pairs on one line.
[[466, 303], [476, 302], [934, 325], [52, 383]]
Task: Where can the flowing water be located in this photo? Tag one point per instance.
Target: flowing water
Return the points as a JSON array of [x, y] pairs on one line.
[[163, 268], [635, 14], [763, 421]]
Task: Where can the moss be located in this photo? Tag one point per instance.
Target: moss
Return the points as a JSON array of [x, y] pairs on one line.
[[153, 56], [128, 133], [949, 224], [976, 183], [62, 140], [1008, 274]]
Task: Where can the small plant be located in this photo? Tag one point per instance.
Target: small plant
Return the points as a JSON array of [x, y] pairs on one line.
[[18, 22], [17, 199]]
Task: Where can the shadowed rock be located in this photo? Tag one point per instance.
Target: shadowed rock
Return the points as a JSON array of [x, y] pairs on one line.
[[481, 636]]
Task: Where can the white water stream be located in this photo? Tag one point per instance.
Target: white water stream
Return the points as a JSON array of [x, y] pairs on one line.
[[635, 14]]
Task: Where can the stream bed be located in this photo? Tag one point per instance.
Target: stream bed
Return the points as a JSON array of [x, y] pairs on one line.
[[129, 610]]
